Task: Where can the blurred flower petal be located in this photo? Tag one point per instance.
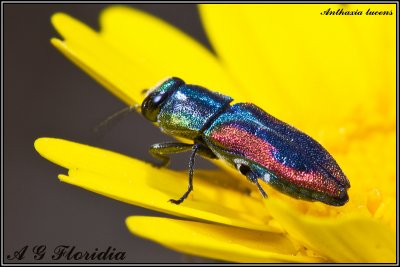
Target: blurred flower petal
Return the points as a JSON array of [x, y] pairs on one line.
[[347, 239], [126, 66], [109, 67], [164, 48], [314, 71]]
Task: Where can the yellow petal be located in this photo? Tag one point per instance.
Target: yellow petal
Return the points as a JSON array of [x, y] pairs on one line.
[[371, 163], [153, 43], [109, 67], [216, 241], [310, 70], [127, 56], [139, 183], [353, 238]]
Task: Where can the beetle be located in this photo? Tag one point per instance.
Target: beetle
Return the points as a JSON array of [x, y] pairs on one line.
[[257, 144]]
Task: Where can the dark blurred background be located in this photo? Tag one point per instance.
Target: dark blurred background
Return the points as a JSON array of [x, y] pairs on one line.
[[45, 95]]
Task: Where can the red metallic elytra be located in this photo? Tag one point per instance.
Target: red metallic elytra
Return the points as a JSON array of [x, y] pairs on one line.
[[258, 145]]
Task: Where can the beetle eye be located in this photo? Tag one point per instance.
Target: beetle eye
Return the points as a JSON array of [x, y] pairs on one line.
[[152, 104]]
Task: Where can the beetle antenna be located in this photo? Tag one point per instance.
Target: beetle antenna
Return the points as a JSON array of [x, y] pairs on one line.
[[115, 117]]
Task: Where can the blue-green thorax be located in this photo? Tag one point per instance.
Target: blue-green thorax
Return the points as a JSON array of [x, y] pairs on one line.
[[188, 109]]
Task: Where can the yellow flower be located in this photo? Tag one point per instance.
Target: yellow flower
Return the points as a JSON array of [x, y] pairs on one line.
[[332, 76]]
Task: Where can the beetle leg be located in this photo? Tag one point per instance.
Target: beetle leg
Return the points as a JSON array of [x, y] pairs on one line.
[[195, 148], [261, 189], [253, 178], [161, 150]]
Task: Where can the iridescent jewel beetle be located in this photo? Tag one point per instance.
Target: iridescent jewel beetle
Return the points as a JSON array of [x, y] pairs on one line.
[[258, 145]]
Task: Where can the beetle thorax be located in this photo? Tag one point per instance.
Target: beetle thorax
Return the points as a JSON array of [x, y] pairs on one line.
[[189, 109]]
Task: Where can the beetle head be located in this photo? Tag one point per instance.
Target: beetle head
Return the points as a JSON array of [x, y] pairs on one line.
[[157, 96]]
